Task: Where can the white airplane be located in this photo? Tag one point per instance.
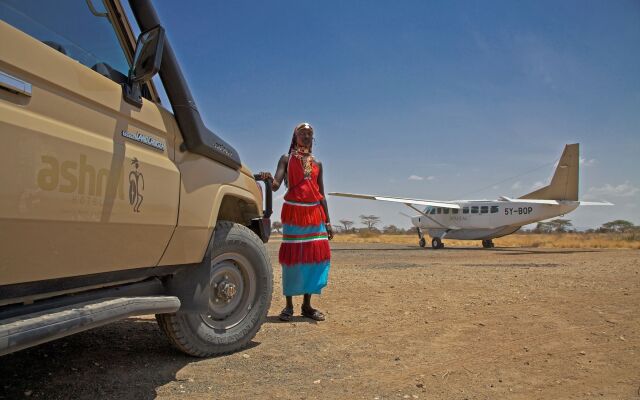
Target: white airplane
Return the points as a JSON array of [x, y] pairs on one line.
[[489, 219]]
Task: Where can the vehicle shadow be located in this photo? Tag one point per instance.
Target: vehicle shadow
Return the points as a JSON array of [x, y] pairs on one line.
[[128, 359]]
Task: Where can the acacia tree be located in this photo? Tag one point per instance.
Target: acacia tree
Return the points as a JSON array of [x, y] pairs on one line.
[[276, 225], [543, 227], [347, 224], [390, 229], [619, 225], [561, 225], [555, 225], [369, 220]]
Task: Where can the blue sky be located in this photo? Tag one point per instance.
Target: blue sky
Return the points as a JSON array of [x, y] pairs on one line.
[[429, 99]]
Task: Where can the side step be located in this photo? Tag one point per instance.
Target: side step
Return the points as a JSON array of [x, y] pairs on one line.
[[30, 330]]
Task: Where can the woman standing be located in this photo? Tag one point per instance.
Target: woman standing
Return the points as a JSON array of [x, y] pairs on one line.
[[304, 253]]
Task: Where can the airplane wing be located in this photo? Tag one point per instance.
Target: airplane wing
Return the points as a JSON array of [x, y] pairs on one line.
[[556, 202], [402, 200]]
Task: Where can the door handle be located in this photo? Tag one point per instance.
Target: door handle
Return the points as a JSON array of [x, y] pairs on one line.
[[15, 85]]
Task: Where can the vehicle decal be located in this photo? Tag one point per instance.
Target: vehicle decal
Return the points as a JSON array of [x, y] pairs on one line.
[[145, 139], [136, 186], [78, 177]]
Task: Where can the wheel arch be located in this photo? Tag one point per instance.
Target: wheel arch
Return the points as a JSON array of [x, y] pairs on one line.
[[234, 204]]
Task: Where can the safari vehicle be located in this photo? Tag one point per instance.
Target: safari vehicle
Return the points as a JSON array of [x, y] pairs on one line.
[[110, 204]]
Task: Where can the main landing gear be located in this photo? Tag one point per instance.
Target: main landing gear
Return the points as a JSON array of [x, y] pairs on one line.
[[436, 243], [488, 244]]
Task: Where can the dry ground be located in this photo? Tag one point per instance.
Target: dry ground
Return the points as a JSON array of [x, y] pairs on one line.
[[403, 322]]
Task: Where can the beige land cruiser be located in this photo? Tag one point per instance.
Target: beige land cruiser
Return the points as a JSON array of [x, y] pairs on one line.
[[111, 205]]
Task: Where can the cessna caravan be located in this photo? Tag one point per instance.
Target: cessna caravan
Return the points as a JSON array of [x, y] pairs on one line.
[[486, 220]]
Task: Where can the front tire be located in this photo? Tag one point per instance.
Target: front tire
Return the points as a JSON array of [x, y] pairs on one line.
[[241, 286]]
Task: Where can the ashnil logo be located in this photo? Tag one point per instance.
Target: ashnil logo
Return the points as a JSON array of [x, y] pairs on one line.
[[144, 139], [136, 186], [79, 177]]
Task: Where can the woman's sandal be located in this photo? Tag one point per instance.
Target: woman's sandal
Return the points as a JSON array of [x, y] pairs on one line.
[[313, 314], [286, 314]]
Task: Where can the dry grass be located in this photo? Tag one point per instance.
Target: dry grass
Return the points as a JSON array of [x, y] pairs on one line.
[[554, 240]]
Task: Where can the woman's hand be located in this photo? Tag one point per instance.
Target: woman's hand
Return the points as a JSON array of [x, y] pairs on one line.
[[265, 176], [329, 230]]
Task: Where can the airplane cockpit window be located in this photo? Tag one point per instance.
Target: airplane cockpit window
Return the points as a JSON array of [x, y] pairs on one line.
[[484, 209], [454, 211], [439, 210], [445, 210], [474, 209], [432, 211], [465, 210], [494, 209]]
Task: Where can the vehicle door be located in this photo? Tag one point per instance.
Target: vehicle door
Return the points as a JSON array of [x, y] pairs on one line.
[[88, 183]]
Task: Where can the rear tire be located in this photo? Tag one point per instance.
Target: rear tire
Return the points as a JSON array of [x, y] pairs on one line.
[[436, 243], [238, 261]]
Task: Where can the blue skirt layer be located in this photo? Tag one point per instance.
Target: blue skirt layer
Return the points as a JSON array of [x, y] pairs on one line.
[[305, 278]]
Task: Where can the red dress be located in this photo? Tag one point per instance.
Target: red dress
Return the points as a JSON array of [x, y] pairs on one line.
[[304, 253]]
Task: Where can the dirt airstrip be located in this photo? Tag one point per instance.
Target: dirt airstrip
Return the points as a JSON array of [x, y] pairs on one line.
[[403, 322]]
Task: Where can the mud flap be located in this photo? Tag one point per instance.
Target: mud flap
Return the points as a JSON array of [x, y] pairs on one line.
[[192, 287]]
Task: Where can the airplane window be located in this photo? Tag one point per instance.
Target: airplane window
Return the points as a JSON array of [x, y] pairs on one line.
[[494, 209], [432, 211], [445, 210], [465, 210], [484, 209], [474, 209], [454, 211], [439, 210]]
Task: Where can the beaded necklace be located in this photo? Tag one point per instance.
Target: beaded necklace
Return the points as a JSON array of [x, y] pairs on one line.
[[306, 158]]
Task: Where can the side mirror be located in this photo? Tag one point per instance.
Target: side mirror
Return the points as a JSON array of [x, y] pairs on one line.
[[146, 63]]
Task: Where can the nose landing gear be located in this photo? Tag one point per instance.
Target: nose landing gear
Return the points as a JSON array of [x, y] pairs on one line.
[[422, 242]]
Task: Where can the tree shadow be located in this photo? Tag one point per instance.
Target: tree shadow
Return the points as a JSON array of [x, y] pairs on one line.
[[407, 248], [128, 359], [506, 250]]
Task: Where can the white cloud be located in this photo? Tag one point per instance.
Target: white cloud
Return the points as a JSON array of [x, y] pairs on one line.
[[587, 163], [431, 177], [415, 178], [623, 190], [517, 185]]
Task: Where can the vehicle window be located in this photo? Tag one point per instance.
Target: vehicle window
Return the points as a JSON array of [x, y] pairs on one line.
[[445, 210], [484, 209], [157, 81], [432, 211], [73, 29], [454, 211], [465, 210], [474, 209], [439, 210], [494, 209]]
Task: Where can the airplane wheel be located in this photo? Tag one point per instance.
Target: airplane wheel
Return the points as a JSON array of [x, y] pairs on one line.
[[436, 243], [422, 242], [488, 244]]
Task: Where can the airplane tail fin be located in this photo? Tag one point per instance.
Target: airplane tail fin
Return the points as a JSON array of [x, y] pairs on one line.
[[564, 184]]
